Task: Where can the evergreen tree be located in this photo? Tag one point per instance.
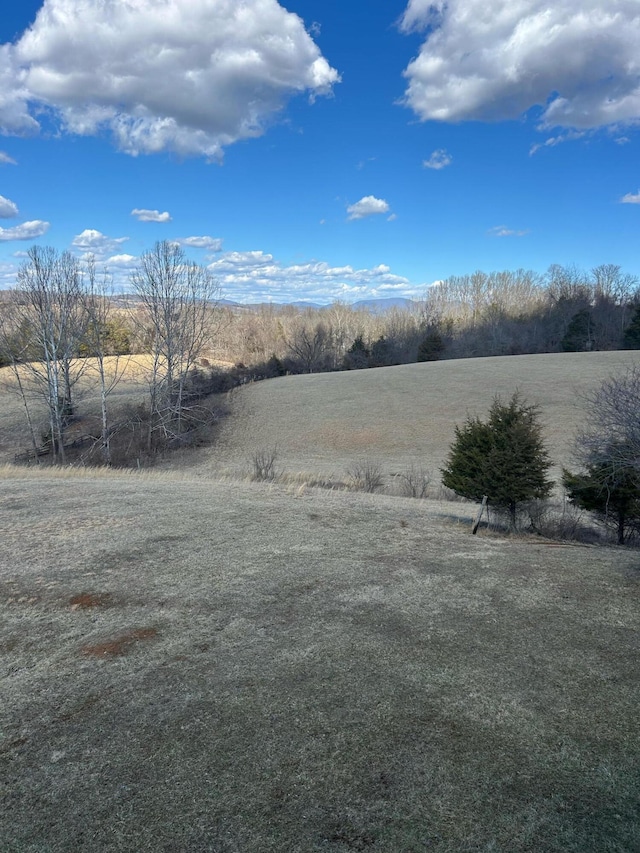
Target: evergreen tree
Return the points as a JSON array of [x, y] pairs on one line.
[[504, 458], [579, 336], [631, 339], [431, 347], [357, 356], [381, 353], [611, 492]]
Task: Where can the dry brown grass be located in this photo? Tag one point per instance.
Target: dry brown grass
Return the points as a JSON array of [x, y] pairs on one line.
[[192, 665], [404, 415], [397, 416], [14, 437]]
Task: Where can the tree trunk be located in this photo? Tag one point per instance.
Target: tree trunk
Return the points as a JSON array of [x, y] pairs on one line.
[[32, 433]]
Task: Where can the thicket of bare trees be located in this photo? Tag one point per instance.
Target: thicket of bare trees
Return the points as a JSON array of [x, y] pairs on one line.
[[62, 323], [176, 296], [42, 328], [483, 314], [608, 450]]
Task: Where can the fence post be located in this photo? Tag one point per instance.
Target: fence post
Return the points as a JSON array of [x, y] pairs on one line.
[[476, 523]]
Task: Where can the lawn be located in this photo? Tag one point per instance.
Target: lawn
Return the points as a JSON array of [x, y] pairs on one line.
[[191, 664]]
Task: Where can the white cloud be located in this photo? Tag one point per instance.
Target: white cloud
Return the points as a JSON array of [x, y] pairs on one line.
[[188, 76], [503, 231], [96, 243], [8, 208], [577, 60], [367, 206], [121, 260], [439, 159], [631, 198], [552, 141], [259, 277], [151, 215], [212, 244], [5, 158], [14, 112], [26, 231]]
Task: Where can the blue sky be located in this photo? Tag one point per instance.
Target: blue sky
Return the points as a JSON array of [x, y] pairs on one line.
[[315, 150]]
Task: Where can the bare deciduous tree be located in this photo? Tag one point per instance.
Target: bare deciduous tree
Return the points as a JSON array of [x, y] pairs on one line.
[[14, 348], [177, 297], [608, 449], [612, 432], [99, 309], [49, 305]]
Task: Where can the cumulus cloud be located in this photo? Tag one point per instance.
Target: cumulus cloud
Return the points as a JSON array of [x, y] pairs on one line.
[[5, 158], [503, 231], [151, 215], [439, 159], [123, 260], [367, 206], [96, 243], [577, 60], [26, 231], [631, 198], [188, 76], [212, 244], [8, 208], [14, 110], [258, 277]]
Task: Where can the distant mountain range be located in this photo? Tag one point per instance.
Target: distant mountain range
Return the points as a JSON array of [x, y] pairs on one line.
[[375, 306]]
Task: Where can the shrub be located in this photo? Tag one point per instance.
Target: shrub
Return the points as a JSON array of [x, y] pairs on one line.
[[365, 476], [264, 464], [414, 482]]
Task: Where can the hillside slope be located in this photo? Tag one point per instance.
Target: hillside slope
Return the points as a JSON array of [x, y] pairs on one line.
[[406, 414], [214, 666]]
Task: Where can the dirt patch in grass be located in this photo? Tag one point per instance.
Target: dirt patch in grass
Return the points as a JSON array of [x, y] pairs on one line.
[[89, 600], [121, 645]]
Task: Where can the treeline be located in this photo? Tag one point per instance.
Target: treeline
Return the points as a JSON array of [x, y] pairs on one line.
[[64, 313], [483, 314]]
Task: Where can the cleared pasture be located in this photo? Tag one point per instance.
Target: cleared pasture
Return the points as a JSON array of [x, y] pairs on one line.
[[191, 665], [406, 414], [323, 423]]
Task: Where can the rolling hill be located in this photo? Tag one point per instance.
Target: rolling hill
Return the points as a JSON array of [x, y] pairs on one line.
[[403, 415]]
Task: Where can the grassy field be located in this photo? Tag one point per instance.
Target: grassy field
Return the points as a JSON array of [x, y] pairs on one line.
[[396, 416], [403, 415], [192, 665], [193, 662]]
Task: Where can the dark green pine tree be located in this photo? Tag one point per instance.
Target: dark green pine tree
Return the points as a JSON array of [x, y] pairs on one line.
[[431, 347], [357, 356], [504, 458], [579, 336], [610, 492], [631, 339]]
